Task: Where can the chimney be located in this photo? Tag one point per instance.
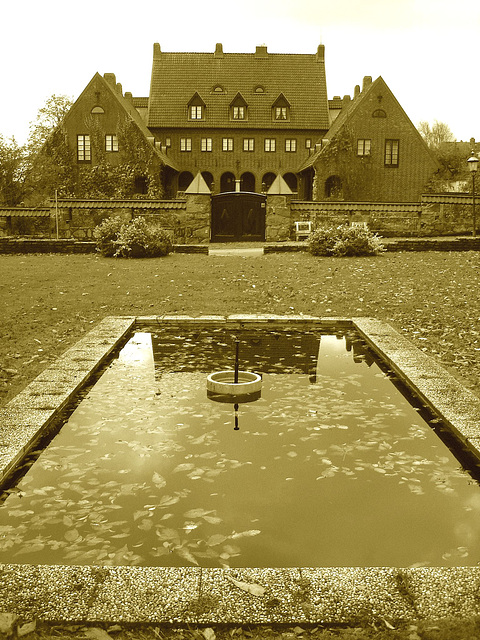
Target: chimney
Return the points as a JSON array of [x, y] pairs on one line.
[[367, 81], [128, 96], [261, 51], [356, 91], [110, 78], [321, 53], [156, 50], [346, 101], [218, 50], [119, 88]]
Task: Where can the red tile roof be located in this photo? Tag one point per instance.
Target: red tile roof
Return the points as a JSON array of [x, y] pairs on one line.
[[176, 77]]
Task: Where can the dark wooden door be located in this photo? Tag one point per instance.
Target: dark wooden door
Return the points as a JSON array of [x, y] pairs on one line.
[[238, 217]]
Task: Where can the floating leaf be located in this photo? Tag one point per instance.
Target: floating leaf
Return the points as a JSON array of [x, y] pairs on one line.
[[245, 534], [167, 501], [158, 480], [197, 513], [187, 466], [215, 540], [71, 535], [212, 519], [185, 553]]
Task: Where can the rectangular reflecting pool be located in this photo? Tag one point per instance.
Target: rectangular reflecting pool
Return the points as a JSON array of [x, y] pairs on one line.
[[331, 466]]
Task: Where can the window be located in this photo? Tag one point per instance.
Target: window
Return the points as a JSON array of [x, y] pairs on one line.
[[238, 108], [281, 108], [379, 113], [111, 142], [391, 153], [206, 144], [363, 147], [269, 144], [248, 144], [196, 112], [239, 113], [308, 143], [290, 145], [185, 144], [84, 151], [227, 144]]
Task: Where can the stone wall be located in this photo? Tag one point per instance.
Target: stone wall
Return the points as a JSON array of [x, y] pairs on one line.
[[188, 220], [436, 215], [278, 221]]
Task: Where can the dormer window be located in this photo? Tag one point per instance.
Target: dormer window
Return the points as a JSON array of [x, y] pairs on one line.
[[238, 108], [196, 108], [239, 113], [196, 112], [281, 109]]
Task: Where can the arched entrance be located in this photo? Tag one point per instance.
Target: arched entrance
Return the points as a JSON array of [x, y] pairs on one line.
[[184, 180], [247, 182], [267, 181], [334, 187], [227, 182], [238, 217], [291, 180], [207, 176]]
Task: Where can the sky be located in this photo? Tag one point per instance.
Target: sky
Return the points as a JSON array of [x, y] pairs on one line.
[[427, 51]]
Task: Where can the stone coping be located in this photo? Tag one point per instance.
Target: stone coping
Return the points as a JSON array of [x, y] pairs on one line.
[[194, 595]]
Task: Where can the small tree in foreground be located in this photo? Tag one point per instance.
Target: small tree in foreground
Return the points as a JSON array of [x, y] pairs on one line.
[[135, 239], [344, 241]]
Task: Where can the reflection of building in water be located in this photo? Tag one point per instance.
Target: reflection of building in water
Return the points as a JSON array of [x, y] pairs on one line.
[[261, 351], [361, 353]]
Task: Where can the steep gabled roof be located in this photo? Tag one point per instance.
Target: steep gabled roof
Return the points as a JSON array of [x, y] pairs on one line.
[[349, 111], [177, 76], [128, 106]]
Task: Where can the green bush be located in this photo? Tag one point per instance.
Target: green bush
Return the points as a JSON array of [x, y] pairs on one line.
[[344, 241], [106, 235], [135, 239]]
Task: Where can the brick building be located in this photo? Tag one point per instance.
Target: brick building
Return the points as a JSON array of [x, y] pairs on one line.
[[372, 152], [242, 120]]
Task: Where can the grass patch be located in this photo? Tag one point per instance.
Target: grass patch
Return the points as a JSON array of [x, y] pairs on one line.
[[50, 301]]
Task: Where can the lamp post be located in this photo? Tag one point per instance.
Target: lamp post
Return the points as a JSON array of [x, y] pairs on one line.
[[473, 166]]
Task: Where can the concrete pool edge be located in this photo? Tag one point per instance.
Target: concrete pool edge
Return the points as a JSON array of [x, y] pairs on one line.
[[209, 596]]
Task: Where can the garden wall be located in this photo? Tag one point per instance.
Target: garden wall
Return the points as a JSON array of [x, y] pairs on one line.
[[188, 220], [434, 215]]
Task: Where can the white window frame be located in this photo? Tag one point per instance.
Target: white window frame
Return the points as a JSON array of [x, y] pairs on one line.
[[249, 144], [270, 145], [291, 145], [364, 147], [196, 112], [84, 148], [239, 112], [185, 144], [111, 142], [206, 144]]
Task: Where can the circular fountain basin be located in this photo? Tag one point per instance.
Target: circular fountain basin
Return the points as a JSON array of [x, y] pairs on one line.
[[223, 383]]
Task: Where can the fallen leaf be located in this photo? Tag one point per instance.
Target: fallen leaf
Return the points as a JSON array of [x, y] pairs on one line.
[[249, 587]]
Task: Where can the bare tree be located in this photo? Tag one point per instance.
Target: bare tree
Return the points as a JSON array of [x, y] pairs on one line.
[[435, 134]]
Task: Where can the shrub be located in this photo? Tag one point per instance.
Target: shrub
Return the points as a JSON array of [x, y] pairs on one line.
[[106, 235], [344, 241], [135, 239]]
